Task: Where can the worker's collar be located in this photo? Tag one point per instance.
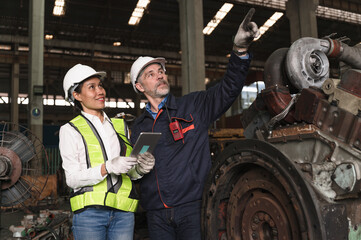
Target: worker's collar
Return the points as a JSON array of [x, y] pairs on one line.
[[171, 104], [161, 104], [92, 117]]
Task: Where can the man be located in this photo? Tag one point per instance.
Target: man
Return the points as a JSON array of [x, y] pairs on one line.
[[171, 193]]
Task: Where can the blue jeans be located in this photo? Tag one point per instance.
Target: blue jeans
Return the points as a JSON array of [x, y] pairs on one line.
[[102, 224], [179, 223]]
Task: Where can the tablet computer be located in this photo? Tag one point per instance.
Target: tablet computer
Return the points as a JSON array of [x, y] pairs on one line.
[[146, 142]]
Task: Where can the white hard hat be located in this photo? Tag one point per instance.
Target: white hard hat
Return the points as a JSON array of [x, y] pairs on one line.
[[76, 75], [140, 64]]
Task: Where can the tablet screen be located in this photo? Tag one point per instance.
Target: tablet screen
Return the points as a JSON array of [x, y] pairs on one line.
[[146, 142]]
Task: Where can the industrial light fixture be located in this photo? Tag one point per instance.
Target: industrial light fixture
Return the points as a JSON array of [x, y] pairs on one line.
[[59, 8], [117, 44], [49, 36], [222, 12], [269, 23], [321, 11], [23, 48], [138, 12], [5, 47]]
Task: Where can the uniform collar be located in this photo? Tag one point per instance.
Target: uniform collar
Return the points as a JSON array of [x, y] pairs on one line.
[[161, 104], [92, 117], [171, 104]]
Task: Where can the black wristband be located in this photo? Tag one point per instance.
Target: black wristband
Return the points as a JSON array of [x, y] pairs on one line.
[[239, 54]]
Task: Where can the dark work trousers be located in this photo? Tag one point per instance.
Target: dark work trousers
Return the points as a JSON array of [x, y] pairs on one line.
[[178, 223]]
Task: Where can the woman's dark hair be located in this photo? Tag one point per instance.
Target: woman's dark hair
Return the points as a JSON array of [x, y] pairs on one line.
[[77, 104]]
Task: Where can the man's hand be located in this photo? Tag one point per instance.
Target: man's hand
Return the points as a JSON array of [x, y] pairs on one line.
[[247, 31], [146, 163], [120, 165]]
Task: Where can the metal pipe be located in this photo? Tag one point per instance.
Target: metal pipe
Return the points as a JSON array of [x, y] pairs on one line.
[[272, 74], [351, 55], [274, 71]]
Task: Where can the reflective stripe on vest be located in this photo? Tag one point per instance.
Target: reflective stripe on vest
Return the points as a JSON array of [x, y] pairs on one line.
[[119, 127], [99, 194]]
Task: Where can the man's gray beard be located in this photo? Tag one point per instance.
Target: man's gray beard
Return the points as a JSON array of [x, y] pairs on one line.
[[161, 95]]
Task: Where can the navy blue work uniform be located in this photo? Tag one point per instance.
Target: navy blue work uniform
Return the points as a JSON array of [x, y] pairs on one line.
[[171, 193]]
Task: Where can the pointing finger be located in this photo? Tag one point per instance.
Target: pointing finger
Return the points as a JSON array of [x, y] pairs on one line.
[[248, 18]]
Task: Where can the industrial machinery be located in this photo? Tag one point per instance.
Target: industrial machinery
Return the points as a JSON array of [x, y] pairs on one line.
[[22, 160], [297, 176], [24, 174]]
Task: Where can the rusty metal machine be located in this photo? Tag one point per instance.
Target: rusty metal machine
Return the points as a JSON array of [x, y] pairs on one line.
[[297, 176], [19, 181], [25, 183]]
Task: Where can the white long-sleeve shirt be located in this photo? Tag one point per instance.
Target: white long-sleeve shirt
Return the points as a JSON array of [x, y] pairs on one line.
[[72, 151]]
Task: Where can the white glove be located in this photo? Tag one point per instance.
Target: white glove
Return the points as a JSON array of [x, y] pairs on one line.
[[146, 163], [247, 31], [120, 165]]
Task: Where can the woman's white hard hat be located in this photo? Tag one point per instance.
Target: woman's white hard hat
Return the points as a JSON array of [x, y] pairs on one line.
[[76, 75], [140, 64]]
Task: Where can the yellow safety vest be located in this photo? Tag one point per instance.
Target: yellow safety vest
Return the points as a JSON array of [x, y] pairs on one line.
[[118, 196]]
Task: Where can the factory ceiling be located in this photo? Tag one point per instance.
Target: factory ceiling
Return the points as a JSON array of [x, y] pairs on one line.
[[106, 21], [89, 29]]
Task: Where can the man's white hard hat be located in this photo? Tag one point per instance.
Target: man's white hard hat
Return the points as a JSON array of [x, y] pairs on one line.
[[140, 64], [76, 75]]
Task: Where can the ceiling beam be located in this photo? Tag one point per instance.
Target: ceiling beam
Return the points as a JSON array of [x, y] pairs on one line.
[[118, 53]]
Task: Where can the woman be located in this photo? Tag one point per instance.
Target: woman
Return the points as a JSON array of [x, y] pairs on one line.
[[95, 152]]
